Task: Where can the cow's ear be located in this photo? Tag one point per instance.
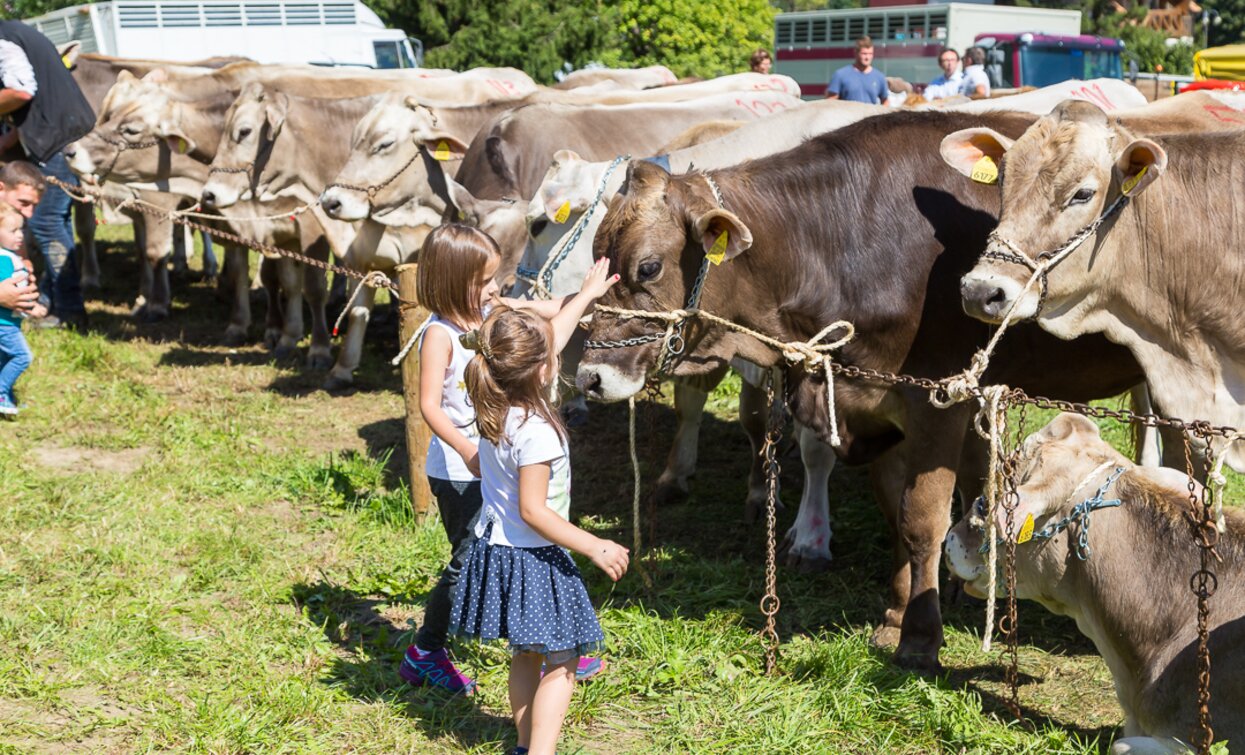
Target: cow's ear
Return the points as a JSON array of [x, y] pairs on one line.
[[444, 147], [966, 151], [155, 76], [177, 141], [69, 53], [1066, 425], [723, 235], [275, 110], [1139, 164]]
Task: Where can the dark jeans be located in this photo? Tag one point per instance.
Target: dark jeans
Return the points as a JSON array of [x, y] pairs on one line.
[[459, 504], [52, 229]]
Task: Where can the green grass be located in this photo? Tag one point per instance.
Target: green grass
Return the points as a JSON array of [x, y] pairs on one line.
[[201, 552]]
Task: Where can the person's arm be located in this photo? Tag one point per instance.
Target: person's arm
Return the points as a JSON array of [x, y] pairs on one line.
[[18, 298], [434, 357], [980, 92], [17, 76], [832, 89], [546, 308], [608, 556], [596, 283]]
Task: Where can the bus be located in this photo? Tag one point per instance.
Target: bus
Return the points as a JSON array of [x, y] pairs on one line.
[[321, 32], [810, 45], [1038, 60]]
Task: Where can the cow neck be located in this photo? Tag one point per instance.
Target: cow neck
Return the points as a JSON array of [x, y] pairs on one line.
[[307, 155]]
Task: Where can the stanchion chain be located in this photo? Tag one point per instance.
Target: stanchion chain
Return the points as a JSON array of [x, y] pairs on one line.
[[770, 602]]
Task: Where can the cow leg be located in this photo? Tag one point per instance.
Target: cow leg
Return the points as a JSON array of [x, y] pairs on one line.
[[351, 351], [157, 236], [84, 226], [340, 289], [807, 544], [689, 409], [887, 477], [754, 416], [290, 275], [269, 279], [932, 454], [315, 282], [183, 242], [237, 268]]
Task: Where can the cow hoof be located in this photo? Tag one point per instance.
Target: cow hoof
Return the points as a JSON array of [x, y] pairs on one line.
[[669, 494], [885, 637], [153, 315], [284, 351], [808, 563], [89, 284], [235, 335], [922, 663], [319, 361], [337, 383], [272, 339], [138, 311]]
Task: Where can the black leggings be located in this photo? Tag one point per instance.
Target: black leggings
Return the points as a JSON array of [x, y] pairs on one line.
[[459, 504]]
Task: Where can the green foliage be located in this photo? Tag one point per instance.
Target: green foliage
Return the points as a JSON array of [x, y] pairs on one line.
[[1149, 46], [30, 8], [1230, 28], [691, 37]]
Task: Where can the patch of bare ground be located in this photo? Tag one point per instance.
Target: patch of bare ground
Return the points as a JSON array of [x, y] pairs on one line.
[[84, 719], [75, 460]]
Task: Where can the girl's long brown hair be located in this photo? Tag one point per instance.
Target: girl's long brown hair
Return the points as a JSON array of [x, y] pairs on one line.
[[506, 371], [451, 263]]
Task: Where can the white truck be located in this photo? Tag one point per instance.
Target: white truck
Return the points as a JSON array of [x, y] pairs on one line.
[[320, 32]]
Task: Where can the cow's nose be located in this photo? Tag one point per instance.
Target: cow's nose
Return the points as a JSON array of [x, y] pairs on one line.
[[70, 151], [589, 382], [332, 205], [208, 198], [984, 298]]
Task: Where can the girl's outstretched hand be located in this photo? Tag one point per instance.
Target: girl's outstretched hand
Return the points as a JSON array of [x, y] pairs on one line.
[[598, 280], [611, 558]]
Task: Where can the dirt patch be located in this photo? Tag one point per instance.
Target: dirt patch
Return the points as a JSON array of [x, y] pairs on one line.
[[125, 461]]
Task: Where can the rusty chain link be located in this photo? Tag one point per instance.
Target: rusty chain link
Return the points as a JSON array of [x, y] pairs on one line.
[[770, 602], [224, 235], [1011, 501], [1203, 583]]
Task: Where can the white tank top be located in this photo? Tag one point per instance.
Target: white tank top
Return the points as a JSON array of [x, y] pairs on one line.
[[443, 462]]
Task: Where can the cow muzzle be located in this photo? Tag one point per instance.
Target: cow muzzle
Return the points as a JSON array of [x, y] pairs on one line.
[[964, 561], [603, 382], [989, 297], [79, 159], [218, 196], [343, 204]]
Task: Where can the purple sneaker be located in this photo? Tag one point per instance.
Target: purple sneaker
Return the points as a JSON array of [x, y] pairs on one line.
[[435, 669], [587, 668]]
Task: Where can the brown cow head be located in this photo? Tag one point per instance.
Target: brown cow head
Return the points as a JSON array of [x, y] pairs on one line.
[[1057, 179], [252, 125], [656, 234]]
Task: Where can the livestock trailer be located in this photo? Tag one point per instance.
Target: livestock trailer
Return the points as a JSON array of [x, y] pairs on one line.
[[322, 32], [810, 45]]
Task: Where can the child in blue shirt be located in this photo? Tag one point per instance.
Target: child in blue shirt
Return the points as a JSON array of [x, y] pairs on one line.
[[15, 354]]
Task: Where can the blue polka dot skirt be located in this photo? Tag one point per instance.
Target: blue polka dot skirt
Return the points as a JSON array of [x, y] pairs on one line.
[[533, 597]]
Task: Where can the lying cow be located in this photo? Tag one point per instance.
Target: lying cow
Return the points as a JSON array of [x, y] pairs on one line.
[[1127, 584]]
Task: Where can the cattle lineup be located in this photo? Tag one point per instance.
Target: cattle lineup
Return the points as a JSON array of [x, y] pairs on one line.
[[877, 291]]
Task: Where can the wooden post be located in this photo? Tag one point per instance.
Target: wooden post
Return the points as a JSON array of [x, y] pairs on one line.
[[418, 433]]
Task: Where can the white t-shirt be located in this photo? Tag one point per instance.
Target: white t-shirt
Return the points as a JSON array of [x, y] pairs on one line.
[[443, 461], [944, 86], [527, 440], [974, 76]]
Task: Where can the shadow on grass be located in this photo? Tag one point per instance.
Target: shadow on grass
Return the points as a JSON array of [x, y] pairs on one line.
[[371, 648], [386, 440]]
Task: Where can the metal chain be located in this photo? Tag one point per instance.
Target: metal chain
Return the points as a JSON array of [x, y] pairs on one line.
[[372, 190], [1009, 624], [1203, 583], [223, 235], [770, 602]]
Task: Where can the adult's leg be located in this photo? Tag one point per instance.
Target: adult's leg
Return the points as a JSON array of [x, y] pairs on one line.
[[52, 228]]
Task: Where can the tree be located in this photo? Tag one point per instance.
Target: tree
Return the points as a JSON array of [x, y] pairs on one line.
[[692, 37], [19, 9], [1230, 29], [1151, 47]]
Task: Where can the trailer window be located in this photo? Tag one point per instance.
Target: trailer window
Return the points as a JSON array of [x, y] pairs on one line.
[[387, 55]]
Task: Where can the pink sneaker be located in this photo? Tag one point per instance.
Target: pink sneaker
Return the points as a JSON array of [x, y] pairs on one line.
[[434, 669], [587, 668]]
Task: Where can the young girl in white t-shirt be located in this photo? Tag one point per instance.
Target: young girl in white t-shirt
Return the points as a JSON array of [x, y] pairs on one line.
[[517, 581]]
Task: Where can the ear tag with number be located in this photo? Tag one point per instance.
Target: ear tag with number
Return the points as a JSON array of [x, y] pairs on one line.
[[1131, 182], [564, 212], [182, 147], [1026, 530], [985, 171], [717, 252], [442, 152]]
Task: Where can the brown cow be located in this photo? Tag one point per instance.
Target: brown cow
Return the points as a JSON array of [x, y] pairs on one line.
[[806, 247], [1127, 586]]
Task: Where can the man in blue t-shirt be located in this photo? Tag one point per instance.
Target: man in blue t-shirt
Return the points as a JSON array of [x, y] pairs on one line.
[[859, 82]]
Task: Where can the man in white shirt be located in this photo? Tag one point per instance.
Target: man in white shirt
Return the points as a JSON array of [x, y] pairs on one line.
[[976, 83], [948, 84]]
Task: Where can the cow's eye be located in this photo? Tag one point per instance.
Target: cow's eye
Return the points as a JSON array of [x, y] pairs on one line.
[[538, 227], [130, 129], [648, 270], [1081, 196], [383, 146], [243, 133]]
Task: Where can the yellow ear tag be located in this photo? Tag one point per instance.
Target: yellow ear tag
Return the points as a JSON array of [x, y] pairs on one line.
[[1131, 182], [985, 171], [564, 212], [182, 146], [1026, 530], [65, 60], [443, 151], [717, 252]]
